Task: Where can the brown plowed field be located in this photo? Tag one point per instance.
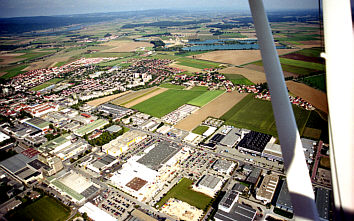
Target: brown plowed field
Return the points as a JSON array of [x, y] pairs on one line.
[[125, 46], [301, 57], [215, 108], [103, 100], [10, 58], [237, 57], [256, 77], [186, 68], [132, 95], [315, 97], [261, 69], [145, 97]]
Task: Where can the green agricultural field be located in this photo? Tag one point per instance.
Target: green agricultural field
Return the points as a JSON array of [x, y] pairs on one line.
[[33, 55], [44, 209], [172, 86], [197, 63], [199, 88], [189, 53], [257, 115], [107, 54], [166, 102], [293, 69], [183, 192], [46, 84], [232, 35], [13, 71], [200, 130], [303, 64], [205, 98], [316, 121], [238, 79], [311, 52], [185, 61], [318, 81]]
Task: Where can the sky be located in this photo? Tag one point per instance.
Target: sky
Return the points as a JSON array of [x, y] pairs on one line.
[[22, 8]]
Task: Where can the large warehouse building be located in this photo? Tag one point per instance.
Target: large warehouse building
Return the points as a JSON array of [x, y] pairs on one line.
[[143, 175], [75, 186], [122, 143]]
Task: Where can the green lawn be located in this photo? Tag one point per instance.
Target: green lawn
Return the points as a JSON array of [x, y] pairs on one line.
[[12, 72], [166, 102], [205, 98], [44, 209], [46, 84], [172, 86], [238, 79], [200, 130], [183, 192], [257, 115]]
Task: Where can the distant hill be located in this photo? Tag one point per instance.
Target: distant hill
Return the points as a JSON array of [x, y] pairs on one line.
[[19, 25]]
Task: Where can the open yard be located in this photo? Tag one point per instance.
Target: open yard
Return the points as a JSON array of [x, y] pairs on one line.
[[215, 108], [46, 84], [166, 102], [257, 115], [44, 209], [205, 98], [183, 192]]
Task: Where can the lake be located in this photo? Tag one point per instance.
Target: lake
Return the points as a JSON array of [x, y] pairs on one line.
[[223, 44]]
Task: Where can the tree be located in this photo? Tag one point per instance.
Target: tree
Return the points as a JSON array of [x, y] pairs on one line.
[[85, 216]]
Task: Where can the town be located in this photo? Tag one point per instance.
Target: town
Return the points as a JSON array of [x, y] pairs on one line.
[[156, 131]]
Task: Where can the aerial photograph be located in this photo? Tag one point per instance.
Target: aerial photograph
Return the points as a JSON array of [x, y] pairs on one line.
[[167, 110]]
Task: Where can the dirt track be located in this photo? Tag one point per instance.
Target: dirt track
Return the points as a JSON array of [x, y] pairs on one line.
[[315, 97], [215, 108]]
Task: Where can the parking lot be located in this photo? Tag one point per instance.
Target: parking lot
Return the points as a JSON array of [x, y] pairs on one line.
[[114, 203]]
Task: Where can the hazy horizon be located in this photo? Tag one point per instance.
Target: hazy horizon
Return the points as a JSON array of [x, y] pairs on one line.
[[29, 8]]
